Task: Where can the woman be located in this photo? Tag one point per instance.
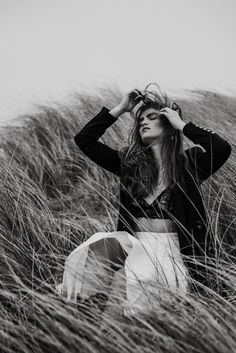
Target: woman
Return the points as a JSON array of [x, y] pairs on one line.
[[162, 222]]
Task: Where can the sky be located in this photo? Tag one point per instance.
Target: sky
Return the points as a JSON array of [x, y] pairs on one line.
[[53, 48]]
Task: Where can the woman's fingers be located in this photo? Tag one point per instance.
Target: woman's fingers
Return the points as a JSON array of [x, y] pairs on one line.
[[137, 93], [165, 110]]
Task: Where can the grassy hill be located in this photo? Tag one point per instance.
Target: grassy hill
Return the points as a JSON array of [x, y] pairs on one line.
[[53, 198]]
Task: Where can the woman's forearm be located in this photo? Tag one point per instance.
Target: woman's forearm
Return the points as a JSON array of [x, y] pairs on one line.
[[117, 111], [87, 140], [217, 149]]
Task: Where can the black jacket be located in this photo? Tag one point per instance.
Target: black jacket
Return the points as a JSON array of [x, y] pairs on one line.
[[189, 211]]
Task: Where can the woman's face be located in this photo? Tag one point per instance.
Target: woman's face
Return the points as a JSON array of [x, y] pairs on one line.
[[150, 120]]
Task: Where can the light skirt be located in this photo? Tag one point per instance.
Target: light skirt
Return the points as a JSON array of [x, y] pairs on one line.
[[152, 261]]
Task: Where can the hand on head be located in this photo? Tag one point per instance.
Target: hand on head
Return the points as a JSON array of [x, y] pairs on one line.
[[131, 99]]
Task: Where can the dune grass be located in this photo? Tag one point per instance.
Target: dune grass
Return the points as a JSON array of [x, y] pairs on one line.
[[53, 198]]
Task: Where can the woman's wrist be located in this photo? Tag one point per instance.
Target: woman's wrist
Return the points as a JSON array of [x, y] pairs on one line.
[[181, 125], [117, 111]]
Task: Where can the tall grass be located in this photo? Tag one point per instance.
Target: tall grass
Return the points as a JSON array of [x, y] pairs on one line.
[[53, 198]]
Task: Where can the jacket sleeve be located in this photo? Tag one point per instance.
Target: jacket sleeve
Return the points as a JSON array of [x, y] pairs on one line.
[[87, 140], [217, 150]]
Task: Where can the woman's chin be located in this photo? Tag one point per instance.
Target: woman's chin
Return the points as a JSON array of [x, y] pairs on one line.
[[149, 140]]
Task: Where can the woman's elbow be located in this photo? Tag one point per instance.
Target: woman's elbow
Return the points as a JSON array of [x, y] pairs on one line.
[[78, 140], [227, 150]]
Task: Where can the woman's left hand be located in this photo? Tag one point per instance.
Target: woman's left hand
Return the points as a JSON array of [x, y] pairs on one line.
[[173, 118]]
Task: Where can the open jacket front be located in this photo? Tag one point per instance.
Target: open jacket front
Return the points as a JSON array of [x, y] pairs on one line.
[[189, 212]]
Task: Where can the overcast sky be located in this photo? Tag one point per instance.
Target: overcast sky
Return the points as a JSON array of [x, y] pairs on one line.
[[50, 48]]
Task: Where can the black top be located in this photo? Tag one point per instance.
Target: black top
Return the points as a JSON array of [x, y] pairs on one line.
[[157, 209], [204, 164]]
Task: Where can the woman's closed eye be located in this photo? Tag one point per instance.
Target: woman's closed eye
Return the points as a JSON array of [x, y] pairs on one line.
[[152, 118]]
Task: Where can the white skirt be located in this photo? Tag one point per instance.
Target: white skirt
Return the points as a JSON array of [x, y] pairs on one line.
[[152, 261]]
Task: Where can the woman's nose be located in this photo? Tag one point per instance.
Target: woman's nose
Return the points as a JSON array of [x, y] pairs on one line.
[[144, 124]]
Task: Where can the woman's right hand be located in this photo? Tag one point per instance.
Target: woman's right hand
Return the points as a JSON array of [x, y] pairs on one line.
[[130, 100]]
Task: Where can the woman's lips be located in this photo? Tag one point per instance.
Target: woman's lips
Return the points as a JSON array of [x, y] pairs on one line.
[[146, 128]]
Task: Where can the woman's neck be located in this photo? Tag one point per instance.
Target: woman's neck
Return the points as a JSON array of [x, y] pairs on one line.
[[156, 150]]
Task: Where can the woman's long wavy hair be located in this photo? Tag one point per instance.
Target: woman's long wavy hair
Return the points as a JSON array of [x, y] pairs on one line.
[[141, 171]]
